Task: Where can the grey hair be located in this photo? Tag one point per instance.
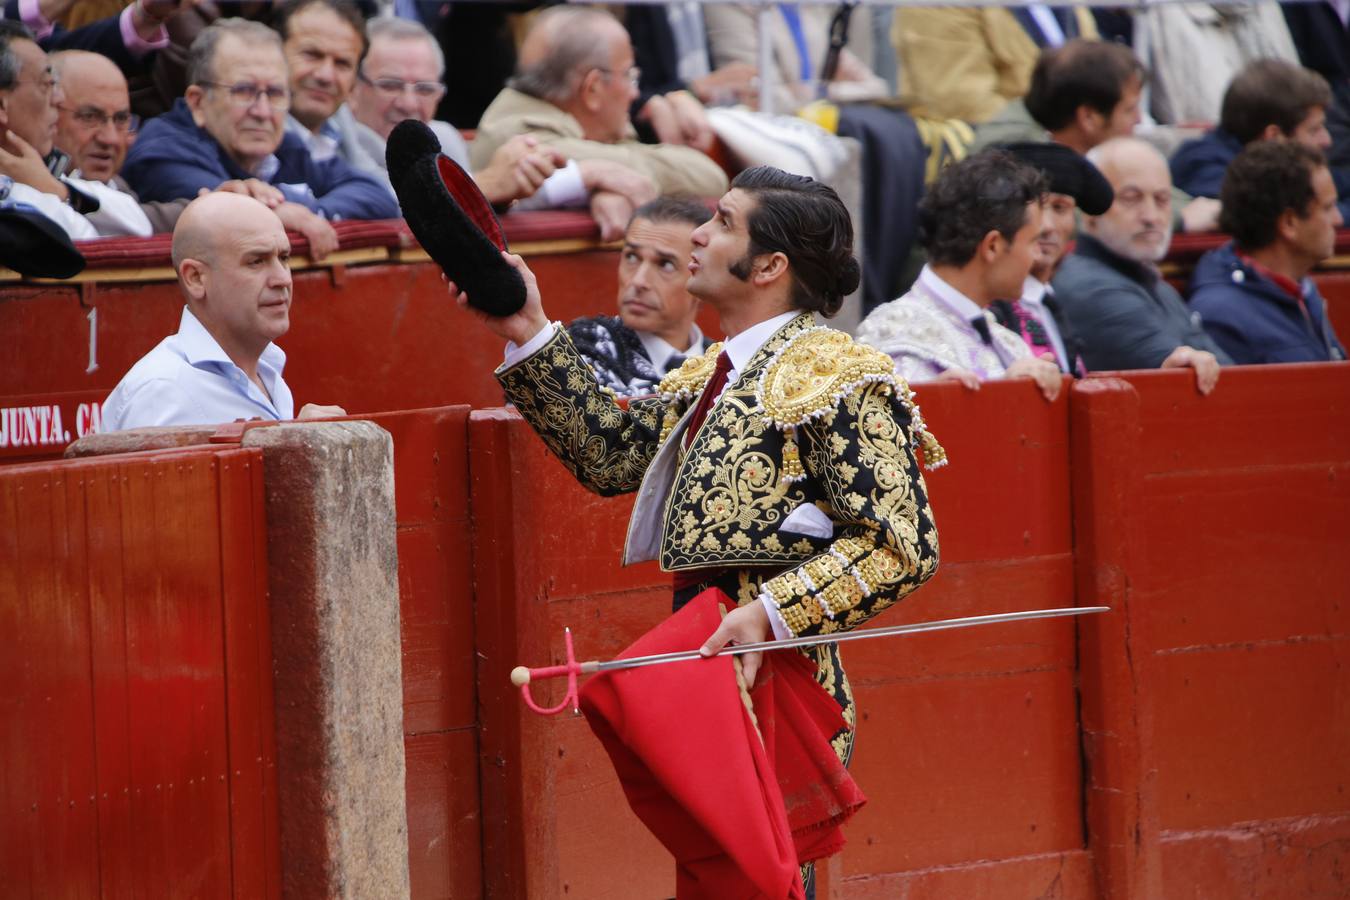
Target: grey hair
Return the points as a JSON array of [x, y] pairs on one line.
[[9, 60], [573, 50], [202, 54], [395, 29]]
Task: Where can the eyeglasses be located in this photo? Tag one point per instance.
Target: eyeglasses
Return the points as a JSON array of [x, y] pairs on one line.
[[393, 87], [93, 117], [633, 74], [246, 94]]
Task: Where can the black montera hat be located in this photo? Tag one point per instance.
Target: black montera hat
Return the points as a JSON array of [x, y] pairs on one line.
[[452, 219], [1069, 173], [35, 246]]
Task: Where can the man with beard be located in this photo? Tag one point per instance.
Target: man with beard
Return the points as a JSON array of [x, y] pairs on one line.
[[1125, 314], [654, 332]]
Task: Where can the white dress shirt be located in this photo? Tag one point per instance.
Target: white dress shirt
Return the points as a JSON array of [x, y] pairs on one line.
[[189, 380]]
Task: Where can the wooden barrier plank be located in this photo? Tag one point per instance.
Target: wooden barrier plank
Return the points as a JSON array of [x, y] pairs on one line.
[[1266, 860], [444, 840], [1064, 876], [252, 765]]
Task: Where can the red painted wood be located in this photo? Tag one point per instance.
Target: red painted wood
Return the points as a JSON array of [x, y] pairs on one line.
[[119, 778]]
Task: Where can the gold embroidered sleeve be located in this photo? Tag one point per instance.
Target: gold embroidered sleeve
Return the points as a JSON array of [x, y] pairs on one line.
[[607, 447], [863, 458]]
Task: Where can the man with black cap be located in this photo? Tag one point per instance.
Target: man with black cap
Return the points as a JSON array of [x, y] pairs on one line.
[[1075, 184], [979, 223]]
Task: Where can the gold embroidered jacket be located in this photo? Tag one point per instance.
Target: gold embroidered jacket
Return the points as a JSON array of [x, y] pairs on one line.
[[813, 419]]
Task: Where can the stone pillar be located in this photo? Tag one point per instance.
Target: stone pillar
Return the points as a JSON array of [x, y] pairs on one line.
[[333, 579]]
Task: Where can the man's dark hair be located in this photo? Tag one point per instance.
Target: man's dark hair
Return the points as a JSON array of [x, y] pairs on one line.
[[347, 10], [985, 192], [805, 220], [673, 210], [1080, 73], [1271, 92], [1264, 181], [9, 60]]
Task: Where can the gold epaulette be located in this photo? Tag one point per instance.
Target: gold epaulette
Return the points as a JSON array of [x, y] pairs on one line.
[[813, 373], [690, 377]]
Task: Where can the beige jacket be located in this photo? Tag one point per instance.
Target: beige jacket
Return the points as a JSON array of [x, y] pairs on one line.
[[963, 63], [676, 170]]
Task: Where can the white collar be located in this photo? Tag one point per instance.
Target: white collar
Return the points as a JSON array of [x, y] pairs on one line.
[[1034, 291], [199, 346], [744, 345], [659, 350], [962, 305]]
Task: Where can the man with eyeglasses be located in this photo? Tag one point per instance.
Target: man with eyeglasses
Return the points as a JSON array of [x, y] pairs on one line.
[[230, 126], [29, 98], [94, 128], [572, 90], [402, 78]]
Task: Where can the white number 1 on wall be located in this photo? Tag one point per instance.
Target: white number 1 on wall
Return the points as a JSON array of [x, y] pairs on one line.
[[93, 340]]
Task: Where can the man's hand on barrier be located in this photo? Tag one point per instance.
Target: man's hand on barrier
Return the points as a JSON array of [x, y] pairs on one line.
[[319, 411], [1045, 373], [747, 624], [259, 190], [616, 178], [323, 240], [517, 169], [519, 327], [960, 376], [1205, 364], [1200, 215], [611, 212]]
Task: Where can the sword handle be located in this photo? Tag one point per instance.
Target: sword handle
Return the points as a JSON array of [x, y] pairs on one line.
[[521, 676]]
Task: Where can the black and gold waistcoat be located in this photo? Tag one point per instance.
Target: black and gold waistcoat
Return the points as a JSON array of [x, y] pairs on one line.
[[813, 418]]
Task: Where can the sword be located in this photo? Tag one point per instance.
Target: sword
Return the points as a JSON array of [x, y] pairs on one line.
[[521, 676]]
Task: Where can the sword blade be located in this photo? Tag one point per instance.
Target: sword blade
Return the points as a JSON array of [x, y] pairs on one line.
[[657, 659]]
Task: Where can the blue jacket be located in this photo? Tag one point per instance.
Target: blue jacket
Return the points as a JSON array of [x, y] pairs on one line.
[[1198, 165], [1254, 319], [173, 158]]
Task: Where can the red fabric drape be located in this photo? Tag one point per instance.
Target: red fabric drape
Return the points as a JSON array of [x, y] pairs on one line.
[[738, 815]]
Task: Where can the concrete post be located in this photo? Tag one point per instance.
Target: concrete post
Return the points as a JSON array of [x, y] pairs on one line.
[[333, 579]]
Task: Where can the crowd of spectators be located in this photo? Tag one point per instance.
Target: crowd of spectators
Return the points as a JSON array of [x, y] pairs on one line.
[[1040, 262]]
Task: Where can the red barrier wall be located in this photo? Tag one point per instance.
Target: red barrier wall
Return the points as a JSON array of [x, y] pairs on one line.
[[968, 743], [137, 672], [1215, 699]]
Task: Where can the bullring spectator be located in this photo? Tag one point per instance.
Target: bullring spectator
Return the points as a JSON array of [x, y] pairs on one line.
[[1269, 100], [230, 126], [978, 223], [574, 83], [401, 78], [29, 97], [1254, 293], [324, 42], [231, 257], [654, 332], [1081, 94], [1125, 314], [126, 38], [95, 127]]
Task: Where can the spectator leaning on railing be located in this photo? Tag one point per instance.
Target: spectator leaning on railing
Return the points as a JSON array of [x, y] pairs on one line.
[[230, 126], [572, 90], [1254, 293]]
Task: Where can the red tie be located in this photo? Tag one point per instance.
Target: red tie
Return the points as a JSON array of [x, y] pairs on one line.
[[705, 402]]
